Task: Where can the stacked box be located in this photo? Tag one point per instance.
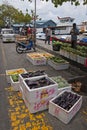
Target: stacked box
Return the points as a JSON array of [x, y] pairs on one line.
[[37, 99], [21, 78], [62, 114]]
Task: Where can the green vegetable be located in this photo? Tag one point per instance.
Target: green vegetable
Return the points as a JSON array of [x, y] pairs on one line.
[[15, 77]]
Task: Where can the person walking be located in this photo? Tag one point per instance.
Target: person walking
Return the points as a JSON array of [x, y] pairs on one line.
[[48, 35], [74, 32]]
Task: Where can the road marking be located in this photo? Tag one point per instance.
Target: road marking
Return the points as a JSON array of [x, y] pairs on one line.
[[3, 55]]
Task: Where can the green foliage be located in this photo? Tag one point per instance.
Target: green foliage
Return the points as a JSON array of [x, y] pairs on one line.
[[58, 59], [60, 2], [81, 50], [10, 15], [56, 42]]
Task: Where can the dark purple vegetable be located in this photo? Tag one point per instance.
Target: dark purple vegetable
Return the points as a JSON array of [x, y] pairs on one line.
[[66, 100], [42, 82], [32, 74]]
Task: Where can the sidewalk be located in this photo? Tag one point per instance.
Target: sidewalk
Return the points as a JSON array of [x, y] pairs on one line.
[[76, 66]]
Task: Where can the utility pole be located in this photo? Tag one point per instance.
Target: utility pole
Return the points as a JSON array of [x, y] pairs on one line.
[[35, 24]]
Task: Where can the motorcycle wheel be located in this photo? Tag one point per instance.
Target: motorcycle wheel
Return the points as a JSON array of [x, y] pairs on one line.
[[18, 49]]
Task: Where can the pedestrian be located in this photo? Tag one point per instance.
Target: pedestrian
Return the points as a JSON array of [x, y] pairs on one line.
[[20, 30], [29, 32], [48, 33], [74, 32]]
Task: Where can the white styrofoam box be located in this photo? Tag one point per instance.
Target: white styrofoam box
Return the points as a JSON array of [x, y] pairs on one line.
[[40, 93], [73, 56], [67, 88], [62, 52], [12, 72], [15, 85], [62, 114], [21, 91], [21, 78], [37, 61], [67, 54], [37, 106], [58, 66], [64, 86], [81, 59]]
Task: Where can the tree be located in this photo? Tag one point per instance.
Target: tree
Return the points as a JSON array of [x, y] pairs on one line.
[[60, 2], [10, 15]]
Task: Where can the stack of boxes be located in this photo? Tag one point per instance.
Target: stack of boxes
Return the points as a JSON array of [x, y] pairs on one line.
[[42, 97]]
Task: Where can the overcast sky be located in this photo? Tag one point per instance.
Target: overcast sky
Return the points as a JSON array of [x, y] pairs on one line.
[[46, 10]]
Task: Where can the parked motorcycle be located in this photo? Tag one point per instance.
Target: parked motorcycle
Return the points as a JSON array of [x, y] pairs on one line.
[[22, 47]]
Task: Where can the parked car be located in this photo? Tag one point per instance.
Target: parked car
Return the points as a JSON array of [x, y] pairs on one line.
[[41, 35], [8, 35]]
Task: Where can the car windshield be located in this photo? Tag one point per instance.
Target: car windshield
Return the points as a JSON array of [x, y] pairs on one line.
[[8, 32]]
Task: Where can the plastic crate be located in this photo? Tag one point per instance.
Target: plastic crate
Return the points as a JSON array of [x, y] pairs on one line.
[[62, 114]]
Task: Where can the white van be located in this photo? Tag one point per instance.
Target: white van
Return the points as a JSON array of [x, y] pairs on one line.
[[7, 35]]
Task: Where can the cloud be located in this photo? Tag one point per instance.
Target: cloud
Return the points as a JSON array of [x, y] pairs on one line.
[[46, 10]]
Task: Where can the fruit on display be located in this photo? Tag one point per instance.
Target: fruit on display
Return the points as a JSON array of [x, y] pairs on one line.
[[35, 56], [57, 59], [16, 71], [33, 73], [79, 84], [47, 55], [42, 82], [76, 86], [60, 81], [66, 100], [15, 77]]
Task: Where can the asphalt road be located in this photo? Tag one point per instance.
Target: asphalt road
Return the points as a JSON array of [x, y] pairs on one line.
[[14, 115]]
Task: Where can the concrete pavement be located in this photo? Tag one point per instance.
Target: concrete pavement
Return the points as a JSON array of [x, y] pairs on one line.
[[14, 115]]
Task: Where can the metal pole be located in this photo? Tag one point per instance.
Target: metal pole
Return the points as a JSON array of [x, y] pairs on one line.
[[35, 25]]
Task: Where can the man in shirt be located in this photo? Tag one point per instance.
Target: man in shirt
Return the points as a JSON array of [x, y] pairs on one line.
[[74, 32], [48, 35]]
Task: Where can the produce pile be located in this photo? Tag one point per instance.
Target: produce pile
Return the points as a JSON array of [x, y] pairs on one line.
[[79, 84], [35, 55], [46, 55], [33, 74], [57, 59], [15, 77], [16, 71], [60, 81], [42, 82], [66, 100]]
